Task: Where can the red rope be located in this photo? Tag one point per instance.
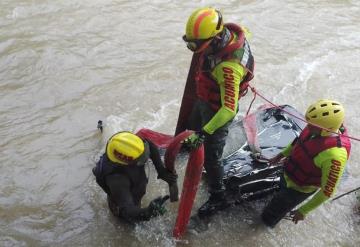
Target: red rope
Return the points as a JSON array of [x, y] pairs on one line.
[[301, 119]]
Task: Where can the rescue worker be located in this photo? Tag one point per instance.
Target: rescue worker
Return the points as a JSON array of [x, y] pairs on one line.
[[222, 72], [313, 164], [120, 172]]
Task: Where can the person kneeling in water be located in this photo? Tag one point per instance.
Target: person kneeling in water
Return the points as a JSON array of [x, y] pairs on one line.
[[120, 172], [314, 163]]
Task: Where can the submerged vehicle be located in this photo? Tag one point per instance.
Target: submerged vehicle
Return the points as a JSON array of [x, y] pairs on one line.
[[253, 140]]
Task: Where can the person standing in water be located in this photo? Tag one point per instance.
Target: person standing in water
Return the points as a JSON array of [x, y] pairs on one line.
[[222, 71], [313, 164]]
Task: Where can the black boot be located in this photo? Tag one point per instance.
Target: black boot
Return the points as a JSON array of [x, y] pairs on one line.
[[216, 202]]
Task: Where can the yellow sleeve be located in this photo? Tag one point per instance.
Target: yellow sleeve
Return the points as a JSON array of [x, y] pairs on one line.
[[332, 164], [228, 75]]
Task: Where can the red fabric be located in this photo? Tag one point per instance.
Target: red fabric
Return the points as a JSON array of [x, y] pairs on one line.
[[208, 90], [159, 139], [189, 97], [192, 174], [230, 48], [250, 127], [190, 186], [300, 166], [174, 148]]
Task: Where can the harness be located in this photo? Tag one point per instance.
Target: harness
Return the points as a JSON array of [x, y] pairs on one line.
[[300, 166]]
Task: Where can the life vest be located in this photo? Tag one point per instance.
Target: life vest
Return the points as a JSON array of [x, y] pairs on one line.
[[135, 173], [300, 166], [207, 89]]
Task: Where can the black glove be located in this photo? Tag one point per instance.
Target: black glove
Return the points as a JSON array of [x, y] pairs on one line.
[[195, 140], [167, 175], [156, 206]]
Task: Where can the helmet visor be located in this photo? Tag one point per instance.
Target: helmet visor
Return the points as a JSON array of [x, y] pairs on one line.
[[196, 44]]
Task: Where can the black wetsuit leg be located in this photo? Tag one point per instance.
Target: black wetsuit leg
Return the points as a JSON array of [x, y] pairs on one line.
[[282, 203], [213, 144], [214, 147]]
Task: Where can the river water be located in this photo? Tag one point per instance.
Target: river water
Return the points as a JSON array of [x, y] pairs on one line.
[[66, 64]]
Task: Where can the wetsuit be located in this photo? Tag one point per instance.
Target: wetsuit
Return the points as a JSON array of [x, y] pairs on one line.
[[331, 164], [125, 185]]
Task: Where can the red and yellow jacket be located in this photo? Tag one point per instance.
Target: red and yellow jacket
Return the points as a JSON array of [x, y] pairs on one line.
[[222, 78], [316, 162]]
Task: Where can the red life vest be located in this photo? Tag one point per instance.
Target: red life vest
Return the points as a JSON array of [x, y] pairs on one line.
[[207, 89], [300, 166]]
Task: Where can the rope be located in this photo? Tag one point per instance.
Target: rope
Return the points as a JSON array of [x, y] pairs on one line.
[[351, 191], [252, 101], [289, 113]]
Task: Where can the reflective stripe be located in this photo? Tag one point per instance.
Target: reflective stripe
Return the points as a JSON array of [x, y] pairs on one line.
[[198, 22]]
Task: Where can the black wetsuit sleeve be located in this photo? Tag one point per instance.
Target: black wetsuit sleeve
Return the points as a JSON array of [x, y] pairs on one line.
[[119, 186], [155, 157]]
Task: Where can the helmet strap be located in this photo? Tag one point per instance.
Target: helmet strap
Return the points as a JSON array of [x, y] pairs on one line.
[[219, 20]]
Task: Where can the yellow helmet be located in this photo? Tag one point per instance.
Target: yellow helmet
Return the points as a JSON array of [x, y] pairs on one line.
[[326, 113], [203, 24], [124, 148]]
